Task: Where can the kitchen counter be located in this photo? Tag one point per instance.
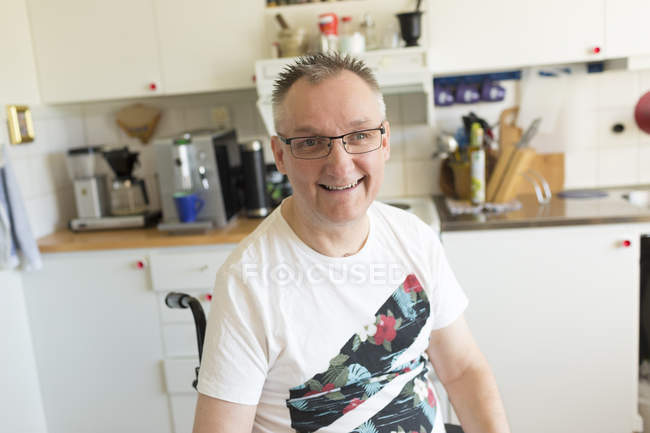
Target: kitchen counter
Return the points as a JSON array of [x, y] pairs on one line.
[[67, 241], [613, 208]]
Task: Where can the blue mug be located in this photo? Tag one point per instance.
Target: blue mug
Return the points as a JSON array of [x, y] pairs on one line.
[[188, 206]]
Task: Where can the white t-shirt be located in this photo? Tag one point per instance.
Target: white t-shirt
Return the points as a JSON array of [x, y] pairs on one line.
[[331, 344]]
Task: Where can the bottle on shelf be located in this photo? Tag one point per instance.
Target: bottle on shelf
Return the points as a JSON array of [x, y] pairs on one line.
[[370, 32], [328, 25], [351, 40], [477, 165]]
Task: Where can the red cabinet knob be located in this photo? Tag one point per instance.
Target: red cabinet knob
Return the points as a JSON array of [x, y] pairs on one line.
[[208, 297], [153, 86], [626, 243], [595, 50], [140, 264]]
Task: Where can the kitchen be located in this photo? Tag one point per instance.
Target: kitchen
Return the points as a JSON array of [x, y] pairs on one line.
[[113, 58]]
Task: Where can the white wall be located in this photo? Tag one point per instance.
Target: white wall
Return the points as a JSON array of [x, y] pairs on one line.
[[21, 409]]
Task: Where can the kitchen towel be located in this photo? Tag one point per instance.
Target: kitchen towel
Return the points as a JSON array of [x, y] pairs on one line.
[[18, 247]]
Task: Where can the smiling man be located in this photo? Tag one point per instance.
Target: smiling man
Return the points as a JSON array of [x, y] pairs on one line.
[[329, 316]]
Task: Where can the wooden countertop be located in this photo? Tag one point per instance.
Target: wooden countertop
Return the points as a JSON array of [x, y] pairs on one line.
[[67, 241]]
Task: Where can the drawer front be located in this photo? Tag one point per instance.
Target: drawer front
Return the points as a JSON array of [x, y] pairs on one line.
[[179, 375], [179, 340], [187, 271]]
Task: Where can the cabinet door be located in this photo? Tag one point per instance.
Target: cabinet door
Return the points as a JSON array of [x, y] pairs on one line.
[[96, 332], [209, 45], [469, 36], [627, 27], [89, 50], [555, 310], [18, 74]]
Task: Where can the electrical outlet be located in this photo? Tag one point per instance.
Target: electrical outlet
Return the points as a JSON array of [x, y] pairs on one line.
[[221, 117]]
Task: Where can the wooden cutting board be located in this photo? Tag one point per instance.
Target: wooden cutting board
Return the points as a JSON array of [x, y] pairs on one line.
[[549, 165]]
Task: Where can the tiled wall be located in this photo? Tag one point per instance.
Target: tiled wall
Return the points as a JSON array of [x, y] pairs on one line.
[[47, 190], [594, 155]]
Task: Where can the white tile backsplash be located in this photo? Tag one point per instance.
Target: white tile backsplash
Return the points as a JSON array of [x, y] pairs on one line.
[[618, 166], [607, 118], [594, 156], [393, 185], [644, 162], [617, 89], [584, 168]]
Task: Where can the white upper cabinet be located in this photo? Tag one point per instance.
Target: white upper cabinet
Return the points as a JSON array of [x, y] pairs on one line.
[[91, 50], [209, 45], [18, 73], [467, 35], [627, 28]]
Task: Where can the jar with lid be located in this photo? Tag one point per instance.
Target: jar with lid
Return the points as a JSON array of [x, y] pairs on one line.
[[369, 32], [351, 40]]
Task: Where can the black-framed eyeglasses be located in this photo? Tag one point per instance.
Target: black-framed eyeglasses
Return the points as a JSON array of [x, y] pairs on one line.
[[364, 141]]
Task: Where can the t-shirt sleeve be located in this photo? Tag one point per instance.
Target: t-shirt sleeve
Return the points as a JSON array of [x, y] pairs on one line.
[[235, 356], [448, 298]]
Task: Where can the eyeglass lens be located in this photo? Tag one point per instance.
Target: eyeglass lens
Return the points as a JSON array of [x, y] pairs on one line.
[[318, 147]]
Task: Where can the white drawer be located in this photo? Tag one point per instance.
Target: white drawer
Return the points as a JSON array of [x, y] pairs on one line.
[[183, 315], [180, 271], [179, 340], [179, 375], [183, 406]]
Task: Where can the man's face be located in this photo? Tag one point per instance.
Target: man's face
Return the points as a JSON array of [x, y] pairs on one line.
[[333, 107]]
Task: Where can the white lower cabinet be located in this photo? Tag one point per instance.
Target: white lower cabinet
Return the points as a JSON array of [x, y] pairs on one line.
[[97, 341], [111, 356], [556, 312]]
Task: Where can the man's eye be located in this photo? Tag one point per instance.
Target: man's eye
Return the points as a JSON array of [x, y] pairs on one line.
[[310, 142]]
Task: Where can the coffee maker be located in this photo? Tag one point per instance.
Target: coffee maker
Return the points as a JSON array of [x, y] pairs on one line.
[[128, 194], [201, 162], [103, 204]]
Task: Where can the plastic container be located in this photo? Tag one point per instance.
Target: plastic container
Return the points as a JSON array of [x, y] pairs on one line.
[[328, 24], [369, 32], [82, 162], [351, 41]]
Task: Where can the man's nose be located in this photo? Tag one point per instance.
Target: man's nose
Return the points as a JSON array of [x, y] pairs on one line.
[[338, 155]]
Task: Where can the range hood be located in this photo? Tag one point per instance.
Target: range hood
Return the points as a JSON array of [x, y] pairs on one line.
[[403, 70]]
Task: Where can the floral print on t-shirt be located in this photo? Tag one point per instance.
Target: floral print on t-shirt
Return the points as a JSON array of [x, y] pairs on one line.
[[368, 362]]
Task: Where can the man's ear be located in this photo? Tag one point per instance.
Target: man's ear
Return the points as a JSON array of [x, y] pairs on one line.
[[385, 145], [277, 146]]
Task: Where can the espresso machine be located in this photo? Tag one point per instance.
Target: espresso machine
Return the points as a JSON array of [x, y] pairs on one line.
[[205, 163], [103, 203]]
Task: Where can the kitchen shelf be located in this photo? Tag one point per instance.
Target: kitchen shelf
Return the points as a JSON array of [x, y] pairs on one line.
[[339, 6]]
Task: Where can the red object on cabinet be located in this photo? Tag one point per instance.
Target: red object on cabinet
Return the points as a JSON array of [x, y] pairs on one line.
[[642, 113]]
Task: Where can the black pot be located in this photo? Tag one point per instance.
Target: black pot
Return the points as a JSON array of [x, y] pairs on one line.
[[410, 26]]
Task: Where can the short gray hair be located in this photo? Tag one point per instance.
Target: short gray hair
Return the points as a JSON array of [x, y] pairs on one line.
[[316, 68]]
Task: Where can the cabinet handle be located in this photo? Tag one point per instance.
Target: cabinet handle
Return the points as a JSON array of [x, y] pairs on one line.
[[596, 50], [626, 243], [208, 297], [153, 87], [140, 264], [203, 268]]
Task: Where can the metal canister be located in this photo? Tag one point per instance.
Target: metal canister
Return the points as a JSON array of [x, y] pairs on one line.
[[256, 199]]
